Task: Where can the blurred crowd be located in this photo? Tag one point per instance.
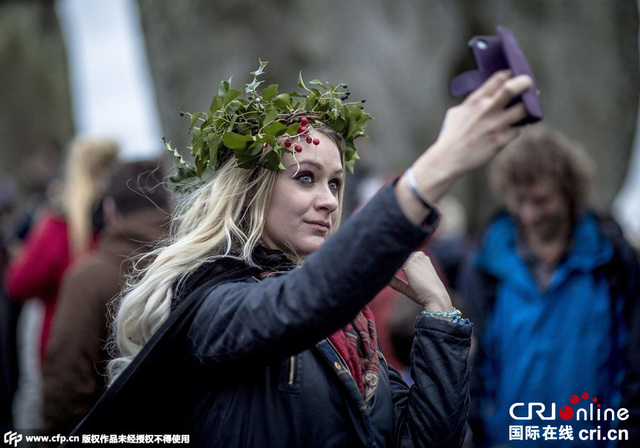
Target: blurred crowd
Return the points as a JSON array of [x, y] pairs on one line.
[[68, 241]]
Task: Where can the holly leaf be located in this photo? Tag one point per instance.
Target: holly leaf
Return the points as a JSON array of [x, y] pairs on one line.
[[260, 70], [252, 86]]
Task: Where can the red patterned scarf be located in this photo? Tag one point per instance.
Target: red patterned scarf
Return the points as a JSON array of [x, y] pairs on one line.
[[357, 343]]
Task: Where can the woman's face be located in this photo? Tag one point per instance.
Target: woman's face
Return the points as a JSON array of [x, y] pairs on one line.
[[304, 206]]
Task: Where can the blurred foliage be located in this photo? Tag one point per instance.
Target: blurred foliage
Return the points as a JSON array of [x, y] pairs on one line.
[[398, 54]]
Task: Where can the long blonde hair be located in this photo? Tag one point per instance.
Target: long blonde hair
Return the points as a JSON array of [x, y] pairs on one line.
[[88, 166], [224, 217]]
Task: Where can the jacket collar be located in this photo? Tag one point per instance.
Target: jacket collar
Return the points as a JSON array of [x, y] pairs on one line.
[[498, 256]]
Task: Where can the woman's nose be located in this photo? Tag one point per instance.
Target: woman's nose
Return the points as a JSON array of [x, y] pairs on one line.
[[327, 199]]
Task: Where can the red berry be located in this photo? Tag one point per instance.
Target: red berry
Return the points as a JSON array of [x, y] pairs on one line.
[[304, 121], [316, 141], [302, 129], [309, 139], [287, 143], [298, 148]]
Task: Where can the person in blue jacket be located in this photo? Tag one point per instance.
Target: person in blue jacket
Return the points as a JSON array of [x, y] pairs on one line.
[[554, 291], [250, 327]]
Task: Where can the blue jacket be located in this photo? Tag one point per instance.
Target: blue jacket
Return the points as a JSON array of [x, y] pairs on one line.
[[544, 346], [243, 363]]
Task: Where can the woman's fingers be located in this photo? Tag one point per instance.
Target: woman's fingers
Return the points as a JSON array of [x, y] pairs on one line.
[[513, 115], [423, 285], [512, 88], [500, 89], [491, 85], [401, 286]]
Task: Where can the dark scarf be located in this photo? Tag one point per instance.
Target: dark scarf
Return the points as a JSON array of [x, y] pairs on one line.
[[356, 343]]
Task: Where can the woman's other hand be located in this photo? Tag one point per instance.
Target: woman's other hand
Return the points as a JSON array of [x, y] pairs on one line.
[[423, 285]]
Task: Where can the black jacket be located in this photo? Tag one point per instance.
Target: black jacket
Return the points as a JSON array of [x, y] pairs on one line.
[[243, 362]]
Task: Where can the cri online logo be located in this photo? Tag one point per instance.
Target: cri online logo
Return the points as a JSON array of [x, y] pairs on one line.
[[594, 413]]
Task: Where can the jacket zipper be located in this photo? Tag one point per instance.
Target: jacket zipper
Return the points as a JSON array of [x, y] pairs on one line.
[[292, 370]]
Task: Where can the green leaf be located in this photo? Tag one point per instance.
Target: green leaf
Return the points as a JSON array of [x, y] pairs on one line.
[[167, 145], [248, 162], [276, 129], [301, 82], [271, 116], [311, 102], [283, 101], [198, 143], [251, 87], [216, 104], [213, 142], [224, 87], [270, 92], [274, 161], [194, 118], [230, 96], [260, 70], [317, 82], [236, 141], [293, 129]]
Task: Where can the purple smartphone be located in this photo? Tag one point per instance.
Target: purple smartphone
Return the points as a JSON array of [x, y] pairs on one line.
[[492, 54]]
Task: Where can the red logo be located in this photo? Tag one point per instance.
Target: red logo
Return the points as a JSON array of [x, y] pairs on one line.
[[566, 412]]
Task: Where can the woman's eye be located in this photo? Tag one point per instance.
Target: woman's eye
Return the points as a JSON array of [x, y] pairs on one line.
[[305, 178], [334, 184]]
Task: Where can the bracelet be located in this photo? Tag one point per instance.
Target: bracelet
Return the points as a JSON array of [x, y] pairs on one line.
[[413, 185], [453, 314]]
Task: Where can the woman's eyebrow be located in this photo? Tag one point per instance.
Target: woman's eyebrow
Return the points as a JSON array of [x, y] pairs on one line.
[[313, 163]]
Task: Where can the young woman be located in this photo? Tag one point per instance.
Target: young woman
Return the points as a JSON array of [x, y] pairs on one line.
[[250, 328]]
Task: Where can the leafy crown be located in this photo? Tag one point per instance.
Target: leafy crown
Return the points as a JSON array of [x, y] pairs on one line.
[[252, 127]]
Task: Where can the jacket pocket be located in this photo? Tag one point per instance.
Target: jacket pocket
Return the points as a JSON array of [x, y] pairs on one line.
[[290, 373]]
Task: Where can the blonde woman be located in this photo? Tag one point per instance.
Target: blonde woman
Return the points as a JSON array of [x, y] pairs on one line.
[[64, 231], [250, 328]]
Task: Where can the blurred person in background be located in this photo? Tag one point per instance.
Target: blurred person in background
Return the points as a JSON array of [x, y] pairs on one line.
[[136, 215], [554, 292], [65, 231]]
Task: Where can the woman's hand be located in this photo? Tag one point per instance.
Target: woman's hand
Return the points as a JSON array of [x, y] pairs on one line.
[[477, 129], [472, 133], [423, 285]]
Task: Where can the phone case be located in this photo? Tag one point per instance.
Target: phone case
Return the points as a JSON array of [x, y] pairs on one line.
[[492, 54]]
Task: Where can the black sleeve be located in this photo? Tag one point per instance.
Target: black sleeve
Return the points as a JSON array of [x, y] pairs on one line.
[[433, 411]]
